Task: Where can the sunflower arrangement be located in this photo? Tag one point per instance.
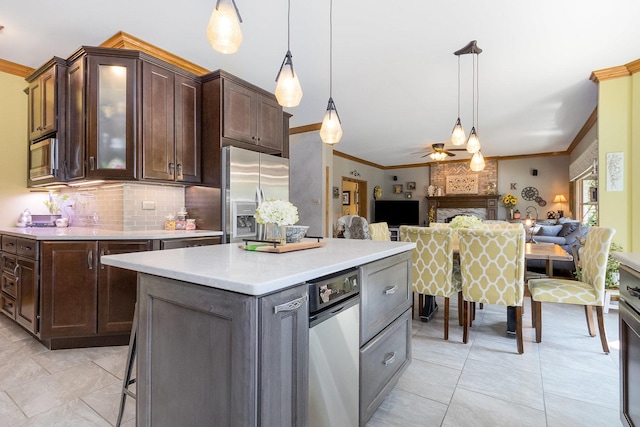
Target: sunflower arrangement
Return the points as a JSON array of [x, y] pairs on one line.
[[509, 200]]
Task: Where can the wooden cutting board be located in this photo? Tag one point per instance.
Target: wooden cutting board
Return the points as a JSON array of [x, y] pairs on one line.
[[289, 247]]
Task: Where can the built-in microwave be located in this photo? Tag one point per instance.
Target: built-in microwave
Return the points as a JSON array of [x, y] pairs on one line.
[[43, 159]]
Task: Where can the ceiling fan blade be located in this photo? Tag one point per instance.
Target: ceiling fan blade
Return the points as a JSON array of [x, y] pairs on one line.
[[449, 154]]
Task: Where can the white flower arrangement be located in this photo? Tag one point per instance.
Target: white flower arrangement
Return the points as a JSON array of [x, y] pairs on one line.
[[276, 211], [465, 221]]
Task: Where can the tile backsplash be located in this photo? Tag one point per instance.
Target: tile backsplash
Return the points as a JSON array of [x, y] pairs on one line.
[[120, 206]]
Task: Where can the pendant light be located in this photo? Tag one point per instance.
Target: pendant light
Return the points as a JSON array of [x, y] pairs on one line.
[[473, 143], [288, 90], [477, 162], [331, 129], [458, 135], [223, 30]]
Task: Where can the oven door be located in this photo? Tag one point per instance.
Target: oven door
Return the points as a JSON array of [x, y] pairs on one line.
[[43, 159], [629, 365]]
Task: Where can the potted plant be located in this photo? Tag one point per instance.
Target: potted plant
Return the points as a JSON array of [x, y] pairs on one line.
[[612, 275], [276, 215]]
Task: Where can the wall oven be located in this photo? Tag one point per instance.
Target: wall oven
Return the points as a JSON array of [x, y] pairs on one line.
[[43, 159], [629, 308]]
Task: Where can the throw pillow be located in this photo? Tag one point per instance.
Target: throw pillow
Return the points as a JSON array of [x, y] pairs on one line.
[[568, 228], [549, 230]]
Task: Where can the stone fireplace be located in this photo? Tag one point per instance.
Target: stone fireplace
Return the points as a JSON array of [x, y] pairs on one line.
[[442, 209]]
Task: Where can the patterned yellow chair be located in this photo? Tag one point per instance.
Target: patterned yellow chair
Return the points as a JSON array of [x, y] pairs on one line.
[[502, 225], [433, 265], [589, 292], [492, 268], [379, 231]]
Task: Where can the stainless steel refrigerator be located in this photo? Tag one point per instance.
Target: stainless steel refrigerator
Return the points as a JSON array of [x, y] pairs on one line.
[[248, 178]]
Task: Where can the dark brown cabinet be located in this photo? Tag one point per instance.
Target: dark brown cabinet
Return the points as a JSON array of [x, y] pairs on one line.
[[237, 113], [171, 125], [20, 282], [44, 86]]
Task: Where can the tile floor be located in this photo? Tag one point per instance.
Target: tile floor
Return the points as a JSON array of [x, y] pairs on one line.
[[564, 381]]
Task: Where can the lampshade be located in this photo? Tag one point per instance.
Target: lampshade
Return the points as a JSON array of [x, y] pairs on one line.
[[223, 30], [473, 143], [288, 89], [477, 162], [559, 198], [331, 129], [458, 136]]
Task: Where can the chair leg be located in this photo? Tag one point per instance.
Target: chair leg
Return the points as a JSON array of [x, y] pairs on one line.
[[481, 308], [538, 316], [420, 304], [460, 309], [533, 313], [588, 311], [603, 333], [446, 318], [519, 329], [465, 327]]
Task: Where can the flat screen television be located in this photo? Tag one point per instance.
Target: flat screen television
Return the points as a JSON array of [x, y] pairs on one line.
[[397, 212]]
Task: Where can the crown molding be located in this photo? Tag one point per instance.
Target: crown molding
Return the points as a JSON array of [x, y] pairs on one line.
[[615, 72], [306, 128], [593, 118], [15, 69], [122, 40]]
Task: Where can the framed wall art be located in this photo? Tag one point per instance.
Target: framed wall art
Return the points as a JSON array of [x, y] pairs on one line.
[[615, 171], [462, 184], [411, 186], [397, 189], [346, 197]]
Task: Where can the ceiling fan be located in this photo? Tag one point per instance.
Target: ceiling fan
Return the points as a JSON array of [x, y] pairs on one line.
[[438, 152]]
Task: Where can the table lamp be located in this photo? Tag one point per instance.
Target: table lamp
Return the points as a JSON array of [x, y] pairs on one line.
[[559, 198], [529, 224]]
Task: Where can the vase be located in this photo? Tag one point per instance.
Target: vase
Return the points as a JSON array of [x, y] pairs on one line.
[[509, 213], [275, 233]]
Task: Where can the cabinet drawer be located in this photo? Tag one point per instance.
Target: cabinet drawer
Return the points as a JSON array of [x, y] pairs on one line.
[[382, 361], [385, 293], [8, 305], [9, 284], [28, 248], [9, 244], [8, 263], [188, 242]]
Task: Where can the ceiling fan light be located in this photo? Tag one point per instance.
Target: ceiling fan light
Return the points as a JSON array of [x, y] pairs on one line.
[[331, 129], [223, 30], [477, 162], [458, 136], [288, 89], [473, 143]]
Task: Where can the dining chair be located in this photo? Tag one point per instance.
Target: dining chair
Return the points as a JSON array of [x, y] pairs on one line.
[[354, 227], [379, 231], [492, 269], [589, 292], [501, 225], [433, 265]]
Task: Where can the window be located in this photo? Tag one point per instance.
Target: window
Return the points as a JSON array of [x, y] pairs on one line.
[[587, 199]]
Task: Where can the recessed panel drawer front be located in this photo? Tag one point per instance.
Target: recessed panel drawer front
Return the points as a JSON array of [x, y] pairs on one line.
[[385, 293], [9, 244], [382, 359], [9, 283], [8, 306], [9, 263], [27, 248]]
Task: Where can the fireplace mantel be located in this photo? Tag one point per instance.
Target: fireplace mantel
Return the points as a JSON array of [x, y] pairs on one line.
[[461, 201]]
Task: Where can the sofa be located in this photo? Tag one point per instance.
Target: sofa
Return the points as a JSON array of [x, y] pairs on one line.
[[564, 232]]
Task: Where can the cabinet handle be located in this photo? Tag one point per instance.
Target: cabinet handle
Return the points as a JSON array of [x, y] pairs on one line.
[[10, 244], [101, 255], [254, 138], [90, 259], [391, 291], [389, 360], [291, 305], [91, 162], [15, 271], [179, 169]]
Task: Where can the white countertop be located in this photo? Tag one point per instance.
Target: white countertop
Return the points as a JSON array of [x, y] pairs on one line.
[[84, 233], [630, 259], [231, 268]]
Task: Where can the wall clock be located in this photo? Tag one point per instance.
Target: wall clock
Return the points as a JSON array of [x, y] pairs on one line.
[[529, 193]]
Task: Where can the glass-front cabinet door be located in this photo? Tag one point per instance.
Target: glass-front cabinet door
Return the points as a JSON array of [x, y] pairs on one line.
[[111, 117]]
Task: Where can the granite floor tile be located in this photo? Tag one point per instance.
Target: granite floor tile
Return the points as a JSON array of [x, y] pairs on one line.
[[10, 414], [435, 382], [563, 412], [401, 409], [75, 413], [20, 371], [106, 402]]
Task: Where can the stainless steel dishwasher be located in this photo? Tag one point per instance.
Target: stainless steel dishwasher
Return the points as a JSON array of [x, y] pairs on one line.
[[334, 350]]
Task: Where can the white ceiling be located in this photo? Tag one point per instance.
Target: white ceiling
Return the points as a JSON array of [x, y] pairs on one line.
[[394, 72]]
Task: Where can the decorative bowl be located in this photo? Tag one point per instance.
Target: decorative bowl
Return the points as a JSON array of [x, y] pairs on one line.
[[295, 233]]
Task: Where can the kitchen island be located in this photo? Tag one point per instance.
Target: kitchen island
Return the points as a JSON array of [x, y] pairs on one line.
[[223, 333]]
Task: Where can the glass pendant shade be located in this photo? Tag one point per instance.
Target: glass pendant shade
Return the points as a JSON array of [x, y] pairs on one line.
[[438, 156], [477, 162], [288, 89], [458, 136], [223, 30], [473, 143], [331, 129]]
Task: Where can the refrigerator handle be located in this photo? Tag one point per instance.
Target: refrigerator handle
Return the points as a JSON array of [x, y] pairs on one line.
[[259, 196]]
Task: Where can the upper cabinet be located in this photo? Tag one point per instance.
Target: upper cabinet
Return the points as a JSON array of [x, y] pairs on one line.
[[238, 113], [171, 125], [44, 87]]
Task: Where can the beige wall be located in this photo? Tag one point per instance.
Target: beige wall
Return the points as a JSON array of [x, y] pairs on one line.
[[14, 196], [618, 109]]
